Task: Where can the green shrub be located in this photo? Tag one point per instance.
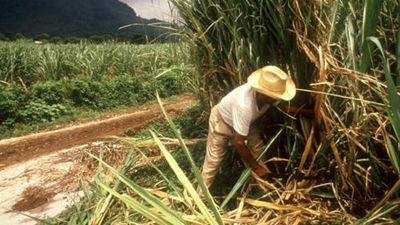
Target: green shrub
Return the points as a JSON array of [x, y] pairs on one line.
[[122, 90], [7, 124], [12, 98], [168, 84], [90, 93], [56, 40], [39, 111], [51, 92], [42, 37], [18, 36], [149, 90], [99, 38], [126, 90], [72, 40]]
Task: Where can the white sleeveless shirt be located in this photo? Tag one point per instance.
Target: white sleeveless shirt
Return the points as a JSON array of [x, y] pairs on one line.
[[239, 108]]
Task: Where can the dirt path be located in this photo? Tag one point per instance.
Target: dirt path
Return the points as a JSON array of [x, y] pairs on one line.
[[39, 173], [20, 149]]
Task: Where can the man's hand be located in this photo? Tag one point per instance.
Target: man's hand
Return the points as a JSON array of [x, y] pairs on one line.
[[307, 112], [244, 152]]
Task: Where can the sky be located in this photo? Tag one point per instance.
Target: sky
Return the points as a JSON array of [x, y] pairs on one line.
[[149, 9]]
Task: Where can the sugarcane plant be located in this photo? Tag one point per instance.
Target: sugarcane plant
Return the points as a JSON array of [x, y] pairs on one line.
[[326, 48], [342, 166]]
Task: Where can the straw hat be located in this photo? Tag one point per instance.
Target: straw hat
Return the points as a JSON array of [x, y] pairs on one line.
[[273, 82]]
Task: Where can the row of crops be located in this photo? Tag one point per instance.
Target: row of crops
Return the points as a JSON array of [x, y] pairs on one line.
[[41, 83]]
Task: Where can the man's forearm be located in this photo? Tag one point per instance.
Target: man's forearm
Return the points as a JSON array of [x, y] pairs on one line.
[[244, 152], [300, 110]]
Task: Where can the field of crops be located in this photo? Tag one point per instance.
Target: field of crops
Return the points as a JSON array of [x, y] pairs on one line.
[[41, 83], [343, 166], [340, 167]]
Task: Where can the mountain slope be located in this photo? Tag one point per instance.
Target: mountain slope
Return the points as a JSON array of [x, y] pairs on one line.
[[69, 17]]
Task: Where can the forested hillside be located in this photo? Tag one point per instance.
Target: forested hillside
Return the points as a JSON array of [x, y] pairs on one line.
[[70, 18]]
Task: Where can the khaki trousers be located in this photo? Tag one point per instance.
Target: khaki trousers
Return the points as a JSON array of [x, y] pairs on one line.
[[219, 135]]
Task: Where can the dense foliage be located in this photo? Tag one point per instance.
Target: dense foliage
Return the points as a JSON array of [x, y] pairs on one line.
[[341, 54], [66, 18], [43, 83]]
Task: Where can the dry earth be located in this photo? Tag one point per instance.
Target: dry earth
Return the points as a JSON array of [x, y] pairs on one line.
[[39, 173]]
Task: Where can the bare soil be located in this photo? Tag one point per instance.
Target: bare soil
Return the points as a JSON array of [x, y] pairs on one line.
[[39, 173], [20, 149]]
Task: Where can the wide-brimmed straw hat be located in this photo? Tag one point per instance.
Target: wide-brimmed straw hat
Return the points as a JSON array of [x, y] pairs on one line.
[[273, 82]]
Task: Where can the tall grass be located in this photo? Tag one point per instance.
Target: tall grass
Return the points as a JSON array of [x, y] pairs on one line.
[[341, 166], [30, 63], [179, 203], [233, 38], [324, 47]]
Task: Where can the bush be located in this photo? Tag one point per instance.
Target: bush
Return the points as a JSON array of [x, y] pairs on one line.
[[39, 111], [149, 90], [99, 38], [56, 40], [42, 37], [19, 36], [122, 90], [51, 92], [12, 98], [72, 40], [168, 84], [91, 93], [126, 90], [7, 124]]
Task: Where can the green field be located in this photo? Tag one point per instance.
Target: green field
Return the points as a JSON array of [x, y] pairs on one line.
[[340, 167], [40, 84]]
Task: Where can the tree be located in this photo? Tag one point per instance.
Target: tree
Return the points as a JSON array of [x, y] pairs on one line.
[[42, 37]]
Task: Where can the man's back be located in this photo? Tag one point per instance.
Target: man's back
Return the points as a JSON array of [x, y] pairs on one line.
[[239, 108]]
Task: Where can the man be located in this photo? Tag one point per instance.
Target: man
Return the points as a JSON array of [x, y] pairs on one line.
[[234, 115]]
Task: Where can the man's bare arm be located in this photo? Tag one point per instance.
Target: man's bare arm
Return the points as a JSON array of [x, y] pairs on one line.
[[299, 110], [244, 152]]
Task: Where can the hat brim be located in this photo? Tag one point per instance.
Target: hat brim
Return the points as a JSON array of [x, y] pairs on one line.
[[287, 95]]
